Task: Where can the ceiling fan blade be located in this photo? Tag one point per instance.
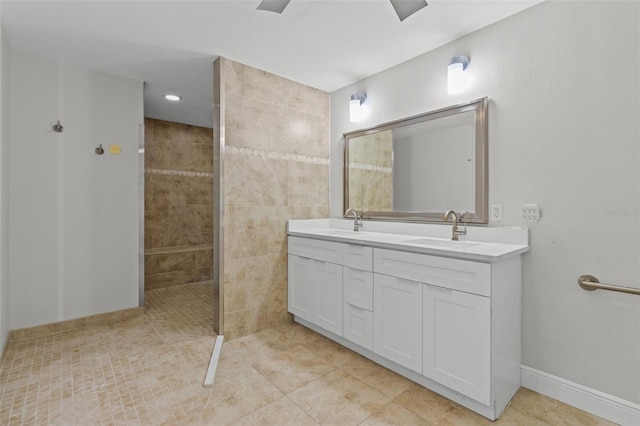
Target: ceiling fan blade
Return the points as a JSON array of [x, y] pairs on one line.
[[406, 8], [276, 6]]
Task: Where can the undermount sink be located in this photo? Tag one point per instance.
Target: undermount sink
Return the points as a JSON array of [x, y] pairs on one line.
[[344, 232], [442, 243]]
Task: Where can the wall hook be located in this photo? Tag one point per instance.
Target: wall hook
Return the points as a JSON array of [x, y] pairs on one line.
[[99, 150], [58, 127]]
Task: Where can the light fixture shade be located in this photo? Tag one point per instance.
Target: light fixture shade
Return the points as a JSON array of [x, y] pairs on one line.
[[357, 107], [172, 97], [457, 77], [406, 8], [276, 6]]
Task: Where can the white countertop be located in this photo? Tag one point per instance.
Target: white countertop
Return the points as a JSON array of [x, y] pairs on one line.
[[484, 244]]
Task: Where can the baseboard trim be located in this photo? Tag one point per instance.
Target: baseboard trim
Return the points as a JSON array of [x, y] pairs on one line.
[[590, 400], [4, 348], [57, 327]]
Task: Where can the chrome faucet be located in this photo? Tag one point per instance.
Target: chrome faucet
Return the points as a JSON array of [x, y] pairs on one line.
[[357, 219], [455, 231]]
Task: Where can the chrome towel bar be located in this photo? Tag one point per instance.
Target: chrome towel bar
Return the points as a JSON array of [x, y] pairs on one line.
[[589, 282]]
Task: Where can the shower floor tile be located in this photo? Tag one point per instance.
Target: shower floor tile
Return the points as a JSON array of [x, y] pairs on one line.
[[181, 312]]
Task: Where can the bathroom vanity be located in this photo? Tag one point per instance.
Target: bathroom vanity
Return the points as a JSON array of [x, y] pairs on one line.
[[445, 314]]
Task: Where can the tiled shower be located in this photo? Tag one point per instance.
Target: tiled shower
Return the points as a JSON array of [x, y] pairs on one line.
[[178, 225]]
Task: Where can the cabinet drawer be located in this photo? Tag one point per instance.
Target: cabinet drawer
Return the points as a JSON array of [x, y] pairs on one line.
[[358, 257], [463, 275], [358, 325], [327, 251], [357, 288]]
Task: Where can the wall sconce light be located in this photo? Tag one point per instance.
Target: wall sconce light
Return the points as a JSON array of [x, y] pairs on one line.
[[457, 78], [357, 108]]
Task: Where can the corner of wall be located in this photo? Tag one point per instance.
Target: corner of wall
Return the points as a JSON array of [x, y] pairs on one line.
[[4, 190], [276, 168]]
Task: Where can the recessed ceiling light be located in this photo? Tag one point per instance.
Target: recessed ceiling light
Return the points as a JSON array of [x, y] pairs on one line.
[[174, 98]]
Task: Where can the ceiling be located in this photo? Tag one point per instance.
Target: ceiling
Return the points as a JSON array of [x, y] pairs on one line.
[[171, 45]]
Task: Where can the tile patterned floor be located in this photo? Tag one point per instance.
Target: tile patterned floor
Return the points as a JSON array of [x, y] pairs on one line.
[[149, 371], [182, 312]]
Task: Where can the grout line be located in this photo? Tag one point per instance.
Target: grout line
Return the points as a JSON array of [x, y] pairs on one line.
[[303, 410]]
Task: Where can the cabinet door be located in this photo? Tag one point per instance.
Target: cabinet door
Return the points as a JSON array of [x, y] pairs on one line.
[[328, 296], [397, 320], [457, 341], [302, 285]]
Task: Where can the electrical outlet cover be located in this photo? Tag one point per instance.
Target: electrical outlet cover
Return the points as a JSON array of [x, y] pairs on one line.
[[496, 212], [530, 212]]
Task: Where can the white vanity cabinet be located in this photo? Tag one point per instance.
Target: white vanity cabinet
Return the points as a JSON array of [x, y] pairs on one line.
[[357, 309], [455, 317], [397, 331], [302, 286], [457, 341], [357, 284], [331, 284], [317, 295], [449, 324], [315, 282]]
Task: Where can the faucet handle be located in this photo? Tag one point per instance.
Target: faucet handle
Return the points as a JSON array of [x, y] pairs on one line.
[[464, 223]]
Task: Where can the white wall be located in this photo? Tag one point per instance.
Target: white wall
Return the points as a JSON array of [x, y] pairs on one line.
[[562, 78], [4, 189], [74, 214]]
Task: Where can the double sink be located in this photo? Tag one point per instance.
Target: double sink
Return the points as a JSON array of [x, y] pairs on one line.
[[484, 244], [426, 241]]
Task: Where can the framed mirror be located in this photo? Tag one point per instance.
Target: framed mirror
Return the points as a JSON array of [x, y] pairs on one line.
[[415, 169]]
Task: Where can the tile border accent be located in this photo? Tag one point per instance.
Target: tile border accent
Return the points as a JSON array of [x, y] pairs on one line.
[[57, 327], [272, 155], [371, 167], [178, 173], [177, 249], [591, 400]]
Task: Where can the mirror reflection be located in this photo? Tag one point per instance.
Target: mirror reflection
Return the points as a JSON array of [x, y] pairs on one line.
[[418, 168]]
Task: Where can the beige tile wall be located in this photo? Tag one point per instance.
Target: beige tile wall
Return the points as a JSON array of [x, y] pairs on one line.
[[178, 203], [276, 168]]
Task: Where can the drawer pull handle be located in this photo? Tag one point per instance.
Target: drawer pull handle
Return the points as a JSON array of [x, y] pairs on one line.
[[438, 288], [357, 307], [403, 280]]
